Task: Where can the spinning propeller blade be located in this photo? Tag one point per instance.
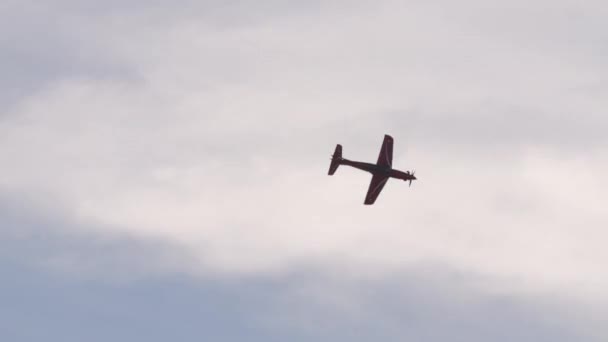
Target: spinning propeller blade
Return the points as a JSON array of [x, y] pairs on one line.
[[413, 173]]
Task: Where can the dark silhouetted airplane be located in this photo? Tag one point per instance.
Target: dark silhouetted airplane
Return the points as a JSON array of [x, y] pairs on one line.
[[381, 171]]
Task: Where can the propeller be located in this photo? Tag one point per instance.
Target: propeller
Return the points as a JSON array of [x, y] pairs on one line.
[[413, 173]]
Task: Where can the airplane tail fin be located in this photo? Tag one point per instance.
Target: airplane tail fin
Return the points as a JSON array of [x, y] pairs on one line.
[[335, 160]]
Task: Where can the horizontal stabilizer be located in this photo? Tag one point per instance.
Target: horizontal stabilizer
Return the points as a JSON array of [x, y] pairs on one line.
[[335, 160]]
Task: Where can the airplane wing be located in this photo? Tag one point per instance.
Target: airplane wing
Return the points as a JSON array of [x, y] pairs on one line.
[[386, 152], [375, 187]]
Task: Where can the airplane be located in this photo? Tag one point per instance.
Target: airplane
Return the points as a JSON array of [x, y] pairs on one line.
[[381, 171]]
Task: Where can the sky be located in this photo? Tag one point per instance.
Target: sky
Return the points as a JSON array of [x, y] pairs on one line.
[[164, 170]]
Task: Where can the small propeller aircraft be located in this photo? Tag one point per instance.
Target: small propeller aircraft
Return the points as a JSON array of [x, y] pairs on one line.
[[381, 171]]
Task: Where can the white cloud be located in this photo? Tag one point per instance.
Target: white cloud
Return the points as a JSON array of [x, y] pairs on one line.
[[221, 142]]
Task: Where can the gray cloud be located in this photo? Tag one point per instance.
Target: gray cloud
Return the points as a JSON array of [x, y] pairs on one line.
[[428, 303], [42, 305], [38, 238], [110, 288], [42, 45]]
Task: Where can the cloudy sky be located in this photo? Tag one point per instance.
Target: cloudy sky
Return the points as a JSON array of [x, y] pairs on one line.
[[164, 170]]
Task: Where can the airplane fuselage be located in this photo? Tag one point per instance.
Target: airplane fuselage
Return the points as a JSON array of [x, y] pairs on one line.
[[375, 169]]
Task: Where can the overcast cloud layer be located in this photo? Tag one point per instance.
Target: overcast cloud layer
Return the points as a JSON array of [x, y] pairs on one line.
[[144, 142]]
